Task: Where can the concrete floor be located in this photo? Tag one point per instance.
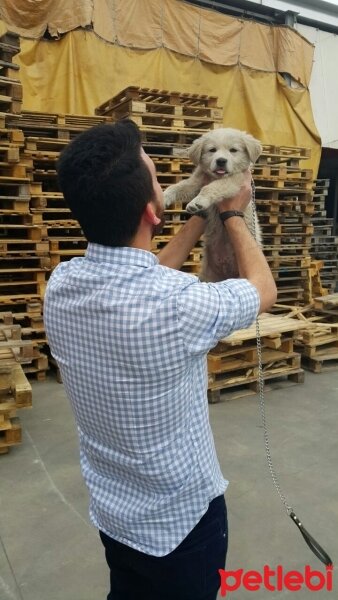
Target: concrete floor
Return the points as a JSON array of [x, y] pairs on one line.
[[49, 551]]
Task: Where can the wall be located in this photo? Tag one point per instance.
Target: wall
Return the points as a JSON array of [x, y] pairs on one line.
[[324, 83]]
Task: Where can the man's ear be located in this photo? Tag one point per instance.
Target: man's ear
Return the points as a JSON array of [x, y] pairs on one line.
[[150, 214]]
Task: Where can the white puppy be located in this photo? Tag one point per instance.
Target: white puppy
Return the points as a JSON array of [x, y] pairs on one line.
[[221, 157]]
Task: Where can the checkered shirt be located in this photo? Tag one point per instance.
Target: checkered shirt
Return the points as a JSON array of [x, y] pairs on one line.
[[130, 337]]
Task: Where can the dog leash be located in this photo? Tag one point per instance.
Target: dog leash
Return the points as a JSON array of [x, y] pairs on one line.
[[309, 539]]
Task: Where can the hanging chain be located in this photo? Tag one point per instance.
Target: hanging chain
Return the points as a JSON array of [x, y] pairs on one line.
[[273, 474]]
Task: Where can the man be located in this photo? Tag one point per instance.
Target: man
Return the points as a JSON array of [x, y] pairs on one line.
[[130, 334]]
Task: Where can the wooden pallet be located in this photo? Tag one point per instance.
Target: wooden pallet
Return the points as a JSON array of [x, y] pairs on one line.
[[278, 250], [287, 229], [11, 436], [22, 317], [38, 368], [315, 342], [148, 95], [15, 231], [286, 151], [277, 262], [24, 263], [23, 247], [166, 179], [283, 218], [287, 207], [9, 106], [10, 41], [47, 125], [281, 171], [14, 350], [11, 138], [322, 363], [14, 204], [234, 363], [156, 121], [57, 256], [11, 88], [14, 186], [281, 194], [129, 107], [41, 146], [14, 386], [166, 165], [285, 184], [20, 219], [68, 243], [171, 137], [26, 283], [42, 200], [250, 386], [8, 69], [327, 304]]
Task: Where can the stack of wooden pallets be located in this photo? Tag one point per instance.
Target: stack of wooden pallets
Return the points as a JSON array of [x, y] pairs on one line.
[[24, 249], [324, 245], [159, 110], [38, 229], [15, 390], [233, 363], [318, 340], [10, 85], [45, 136], [284, 199]]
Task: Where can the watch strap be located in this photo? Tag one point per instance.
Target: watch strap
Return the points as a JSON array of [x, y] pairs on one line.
[[230, 213]]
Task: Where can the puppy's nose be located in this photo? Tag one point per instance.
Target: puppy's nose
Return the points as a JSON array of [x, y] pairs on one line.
[[221, 162]]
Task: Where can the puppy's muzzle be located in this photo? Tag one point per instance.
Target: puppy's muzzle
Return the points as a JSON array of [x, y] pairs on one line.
[[221, 166]]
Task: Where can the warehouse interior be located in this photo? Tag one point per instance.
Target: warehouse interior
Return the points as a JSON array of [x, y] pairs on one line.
[[178, 69]]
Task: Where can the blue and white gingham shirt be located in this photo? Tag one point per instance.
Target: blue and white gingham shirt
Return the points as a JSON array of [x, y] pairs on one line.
[[131, 337]]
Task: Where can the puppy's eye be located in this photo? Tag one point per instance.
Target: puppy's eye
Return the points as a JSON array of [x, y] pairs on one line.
[[233, 150], [212, 150]]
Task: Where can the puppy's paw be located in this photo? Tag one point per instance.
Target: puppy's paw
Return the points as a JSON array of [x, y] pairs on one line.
[[169, 197], [196, 205]]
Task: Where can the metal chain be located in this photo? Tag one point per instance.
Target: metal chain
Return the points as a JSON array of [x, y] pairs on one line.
[[274, 477]]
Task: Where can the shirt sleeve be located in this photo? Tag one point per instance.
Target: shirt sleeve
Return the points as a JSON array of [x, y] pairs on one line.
[[208, 312]]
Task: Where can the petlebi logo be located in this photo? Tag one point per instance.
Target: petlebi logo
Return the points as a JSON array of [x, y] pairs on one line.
[[276, 579]]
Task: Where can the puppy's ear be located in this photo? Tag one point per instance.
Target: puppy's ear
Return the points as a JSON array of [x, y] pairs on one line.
[[195, 150], [253, 147]]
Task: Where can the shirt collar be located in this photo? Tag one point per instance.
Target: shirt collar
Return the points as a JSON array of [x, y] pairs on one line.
[[122, 255]]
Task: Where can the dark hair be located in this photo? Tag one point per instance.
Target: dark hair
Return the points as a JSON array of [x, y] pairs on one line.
[[105, 182]]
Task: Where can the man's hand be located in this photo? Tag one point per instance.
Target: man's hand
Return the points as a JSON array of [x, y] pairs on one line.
[[242, 199]]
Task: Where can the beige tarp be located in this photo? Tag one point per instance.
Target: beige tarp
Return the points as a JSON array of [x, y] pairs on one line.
[[172, 24], [166, 44]]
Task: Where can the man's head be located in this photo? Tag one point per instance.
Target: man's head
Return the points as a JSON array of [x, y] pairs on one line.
[[107, 182]]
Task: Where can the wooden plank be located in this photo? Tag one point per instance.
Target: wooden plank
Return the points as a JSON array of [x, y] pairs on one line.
[[11, 436], [269, 325], [22, 389]]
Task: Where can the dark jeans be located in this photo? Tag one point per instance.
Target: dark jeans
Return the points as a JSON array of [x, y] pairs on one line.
[[190, 572]]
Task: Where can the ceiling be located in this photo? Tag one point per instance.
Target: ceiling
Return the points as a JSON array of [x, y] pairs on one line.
[[317, 13]]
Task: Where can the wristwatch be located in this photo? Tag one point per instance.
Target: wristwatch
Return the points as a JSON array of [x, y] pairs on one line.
[[230, 213]]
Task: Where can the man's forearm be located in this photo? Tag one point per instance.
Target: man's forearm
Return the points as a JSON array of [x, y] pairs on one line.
[[251, 261], [175, 253]]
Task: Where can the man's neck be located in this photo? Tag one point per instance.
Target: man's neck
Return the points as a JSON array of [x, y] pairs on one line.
[[142, 239]]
